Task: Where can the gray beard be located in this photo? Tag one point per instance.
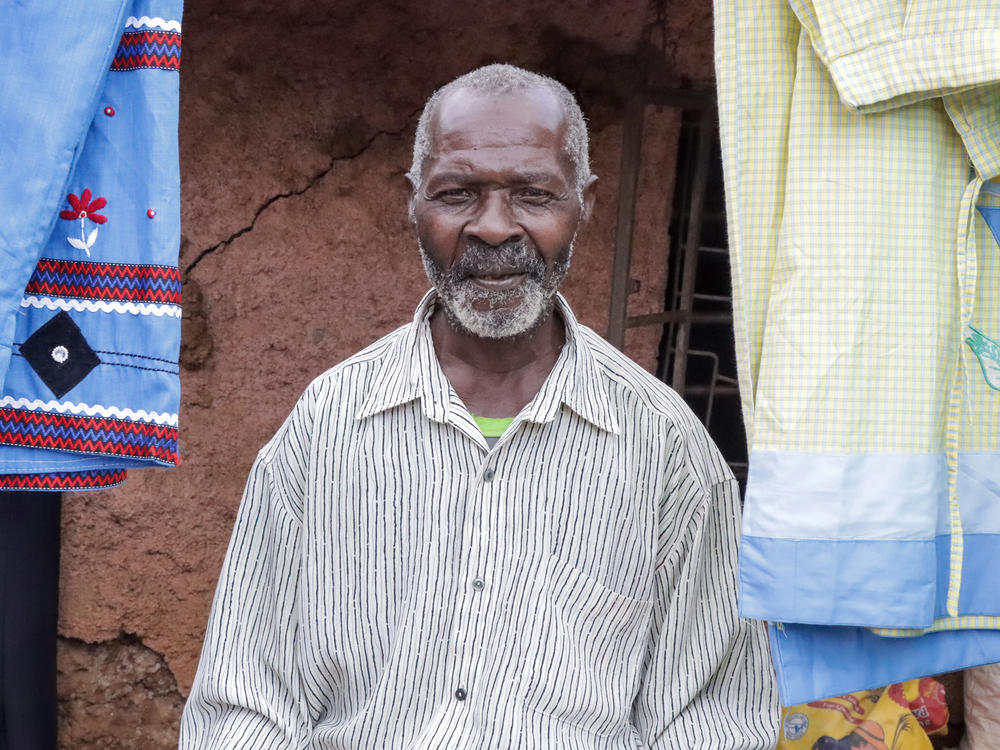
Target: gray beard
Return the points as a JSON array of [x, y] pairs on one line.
[[503, 313]]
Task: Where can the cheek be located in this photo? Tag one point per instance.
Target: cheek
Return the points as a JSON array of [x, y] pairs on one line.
[[438, 238], [551, 237], [440, 224], [429, 229]]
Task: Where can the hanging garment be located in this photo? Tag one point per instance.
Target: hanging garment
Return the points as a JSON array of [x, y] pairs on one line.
[[90, 294], [856, 141], [818, 661]]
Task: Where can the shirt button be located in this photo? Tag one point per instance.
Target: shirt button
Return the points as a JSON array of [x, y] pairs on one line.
[[488, 475], [478, 584], [460, 694]]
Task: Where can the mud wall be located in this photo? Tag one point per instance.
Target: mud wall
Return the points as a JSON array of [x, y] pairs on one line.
[[296, 129]]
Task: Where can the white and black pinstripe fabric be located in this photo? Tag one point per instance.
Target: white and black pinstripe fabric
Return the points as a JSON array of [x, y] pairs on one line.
[[577, 581]]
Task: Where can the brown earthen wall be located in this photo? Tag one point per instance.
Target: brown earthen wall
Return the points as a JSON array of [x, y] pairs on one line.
[[296, 129]]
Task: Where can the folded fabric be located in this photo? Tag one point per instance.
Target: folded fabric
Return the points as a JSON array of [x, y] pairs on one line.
[[56, 57]]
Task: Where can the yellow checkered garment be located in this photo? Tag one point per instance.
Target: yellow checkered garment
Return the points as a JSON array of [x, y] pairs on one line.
[[857, 136]]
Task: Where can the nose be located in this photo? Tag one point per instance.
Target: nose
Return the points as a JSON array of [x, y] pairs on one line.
[[494, 222]]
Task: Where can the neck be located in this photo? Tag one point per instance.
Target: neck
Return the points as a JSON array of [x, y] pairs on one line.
[[498, 356], [497, 377]]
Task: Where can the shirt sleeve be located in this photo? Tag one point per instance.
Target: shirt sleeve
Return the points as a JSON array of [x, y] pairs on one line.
[[247, 694], [755, 67], [885, 55], [708, 682]]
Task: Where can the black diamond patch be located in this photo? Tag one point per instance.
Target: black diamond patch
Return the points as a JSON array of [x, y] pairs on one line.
[[59, 354]]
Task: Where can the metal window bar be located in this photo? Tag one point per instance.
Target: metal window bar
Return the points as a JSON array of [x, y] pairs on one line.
[[618, 318], [687, 307]]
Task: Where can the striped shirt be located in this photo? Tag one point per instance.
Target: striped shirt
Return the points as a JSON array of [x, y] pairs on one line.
[[393, 582]]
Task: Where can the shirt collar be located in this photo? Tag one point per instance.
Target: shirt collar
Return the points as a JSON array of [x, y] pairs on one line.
[[411, 370]]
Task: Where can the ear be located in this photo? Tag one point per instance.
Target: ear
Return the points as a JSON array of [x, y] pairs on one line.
[[413, 198], [589, 194]]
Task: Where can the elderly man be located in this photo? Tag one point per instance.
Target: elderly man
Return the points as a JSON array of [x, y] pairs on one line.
[[489, 529]]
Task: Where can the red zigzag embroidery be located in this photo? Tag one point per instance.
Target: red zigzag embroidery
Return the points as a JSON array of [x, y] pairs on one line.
[[88, 434], [131, 62], [89, 480]]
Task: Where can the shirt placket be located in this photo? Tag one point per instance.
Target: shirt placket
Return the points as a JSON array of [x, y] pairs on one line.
[[474, 574]]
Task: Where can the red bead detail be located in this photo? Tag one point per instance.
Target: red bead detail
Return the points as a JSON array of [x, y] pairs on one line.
[[150, 213], [109, 111]]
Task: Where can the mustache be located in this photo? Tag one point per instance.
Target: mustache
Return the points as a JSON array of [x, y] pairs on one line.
[[482, 259]]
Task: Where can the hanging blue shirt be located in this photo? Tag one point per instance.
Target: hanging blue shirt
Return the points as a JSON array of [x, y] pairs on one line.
[[90, 291]]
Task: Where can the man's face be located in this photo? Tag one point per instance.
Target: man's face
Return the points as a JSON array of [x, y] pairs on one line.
[[497, 209]]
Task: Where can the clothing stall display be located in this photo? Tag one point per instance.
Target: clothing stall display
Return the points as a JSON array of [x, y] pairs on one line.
[[858, 142], [90, 295]]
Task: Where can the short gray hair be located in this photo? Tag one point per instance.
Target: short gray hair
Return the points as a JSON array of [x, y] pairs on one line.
[[504, 79]]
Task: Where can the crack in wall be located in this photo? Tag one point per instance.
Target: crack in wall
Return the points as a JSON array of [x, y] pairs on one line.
[[311, 183], [124, 637], [101, 681]]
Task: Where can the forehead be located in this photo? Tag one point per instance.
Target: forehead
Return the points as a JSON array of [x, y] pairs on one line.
[[520, 126]]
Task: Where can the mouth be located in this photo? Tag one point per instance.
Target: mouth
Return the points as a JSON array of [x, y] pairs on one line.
[[498, 281]]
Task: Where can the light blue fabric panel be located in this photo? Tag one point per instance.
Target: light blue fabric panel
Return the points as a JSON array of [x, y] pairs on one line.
[[873, 583], [55, 59], [814, 662], [979, 492], [980, 579], [862, 539], [848, 496], [896, 590], [991, 214]]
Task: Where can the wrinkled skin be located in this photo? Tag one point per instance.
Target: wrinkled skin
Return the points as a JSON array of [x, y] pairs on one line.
[[495, 216]]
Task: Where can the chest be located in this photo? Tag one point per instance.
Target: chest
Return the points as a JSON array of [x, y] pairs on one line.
[[404, 498]]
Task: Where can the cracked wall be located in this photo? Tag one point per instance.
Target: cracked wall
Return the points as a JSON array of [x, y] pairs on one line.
[[115, 695], [296, 127]]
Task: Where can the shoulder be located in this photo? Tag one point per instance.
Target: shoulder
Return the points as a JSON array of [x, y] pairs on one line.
[[343, 388], [634, 387], [637, 394], [626, 375], [325, 410], [386, 352]]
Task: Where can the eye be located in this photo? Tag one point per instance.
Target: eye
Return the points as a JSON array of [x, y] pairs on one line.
[[453, 196], [534, 196]]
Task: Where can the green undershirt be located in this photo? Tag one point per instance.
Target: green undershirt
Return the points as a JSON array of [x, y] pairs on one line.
[[492, 428]]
